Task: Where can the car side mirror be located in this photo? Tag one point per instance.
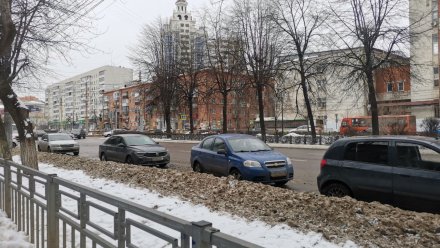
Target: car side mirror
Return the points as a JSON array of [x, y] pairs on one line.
[[221, 151], [44, 139]]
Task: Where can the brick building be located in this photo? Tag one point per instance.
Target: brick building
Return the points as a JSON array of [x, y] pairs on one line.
[[132, 107]]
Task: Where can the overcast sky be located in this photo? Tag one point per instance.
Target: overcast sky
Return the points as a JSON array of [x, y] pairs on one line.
[[119, 23]]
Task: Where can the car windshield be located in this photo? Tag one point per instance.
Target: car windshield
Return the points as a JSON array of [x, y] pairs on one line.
[[60, 137], [248, 145], [138, 140]]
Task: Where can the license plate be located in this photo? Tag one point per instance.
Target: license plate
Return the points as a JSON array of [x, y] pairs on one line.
[[278, 173], [157, 159]]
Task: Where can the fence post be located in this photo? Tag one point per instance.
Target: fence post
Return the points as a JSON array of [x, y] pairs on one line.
[[7, 170], [52, 211], [201, 234], [121, 228]]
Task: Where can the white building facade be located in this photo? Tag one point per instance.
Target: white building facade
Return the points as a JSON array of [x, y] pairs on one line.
[[78, 100], [425, 59]]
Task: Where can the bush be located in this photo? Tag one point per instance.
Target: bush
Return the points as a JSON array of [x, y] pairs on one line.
[[430, 126]]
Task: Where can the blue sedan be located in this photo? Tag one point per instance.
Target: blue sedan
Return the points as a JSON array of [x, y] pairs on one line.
[[243, 157]]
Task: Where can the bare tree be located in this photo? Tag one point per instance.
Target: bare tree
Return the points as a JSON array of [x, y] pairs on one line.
[[369, 35], [157, 53], [300, 21], [262, 47], [32, 31], [224, 54], [191, 67]]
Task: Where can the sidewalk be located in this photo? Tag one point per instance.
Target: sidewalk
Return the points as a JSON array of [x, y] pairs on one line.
[[274, 145]]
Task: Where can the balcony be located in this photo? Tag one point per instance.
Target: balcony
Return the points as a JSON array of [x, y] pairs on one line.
[[394, 96]]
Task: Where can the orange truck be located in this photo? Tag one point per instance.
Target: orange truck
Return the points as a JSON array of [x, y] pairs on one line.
[[388, 124]]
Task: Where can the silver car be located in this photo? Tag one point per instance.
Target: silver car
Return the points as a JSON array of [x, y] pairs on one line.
[[58, 142]]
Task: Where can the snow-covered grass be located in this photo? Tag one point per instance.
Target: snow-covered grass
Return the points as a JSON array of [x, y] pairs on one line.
[[255, 231]]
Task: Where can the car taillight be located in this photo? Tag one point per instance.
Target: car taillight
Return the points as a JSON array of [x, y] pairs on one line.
[[323, 163]]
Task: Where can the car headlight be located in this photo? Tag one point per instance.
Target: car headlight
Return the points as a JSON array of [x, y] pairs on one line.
[[251, 163], [289, 161]]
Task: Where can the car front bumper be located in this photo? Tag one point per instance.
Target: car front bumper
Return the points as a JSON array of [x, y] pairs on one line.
[[269, 175], [142, 160], [64, 149]]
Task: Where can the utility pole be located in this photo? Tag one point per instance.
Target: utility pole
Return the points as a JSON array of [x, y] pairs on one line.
[[61, 112], [87, 105]]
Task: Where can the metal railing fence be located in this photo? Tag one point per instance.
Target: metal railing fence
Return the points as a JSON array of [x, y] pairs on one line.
[[55, 212]]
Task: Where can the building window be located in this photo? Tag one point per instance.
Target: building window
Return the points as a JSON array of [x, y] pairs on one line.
[[389, 87], [434, 13], [400, 86], [322, 102], [435, 71], [435, 43]]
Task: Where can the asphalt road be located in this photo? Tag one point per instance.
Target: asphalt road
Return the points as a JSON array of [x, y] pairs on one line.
[[306, 162]]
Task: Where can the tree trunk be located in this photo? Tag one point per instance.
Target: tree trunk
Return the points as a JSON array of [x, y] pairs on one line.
[[261, 110], [20, 116], [191, 119], [309, 109], [168, 120], [5, 151], [225, 113], [373, 104]]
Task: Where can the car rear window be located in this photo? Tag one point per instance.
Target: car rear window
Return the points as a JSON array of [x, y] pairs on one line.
[[369, 152]]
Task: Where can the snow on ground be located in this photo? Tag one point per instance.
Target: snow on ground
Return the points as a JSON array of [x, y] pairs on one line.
[[9, 236], [256, 231]]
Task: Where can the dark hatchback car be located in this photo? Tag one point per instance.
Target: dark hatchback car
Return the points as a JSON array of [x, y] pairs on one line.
[[397, 170], [134, 149], [79, 133], [242, 156]]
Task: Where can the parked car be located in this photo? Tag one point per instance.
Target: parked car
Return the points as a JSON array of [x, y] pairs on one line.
[[300, 129], [286, 138], [59, 143], [79, 133], [305, 129], [111, 132], [243, 157], [400, 170], [38, 134], [134, 149]]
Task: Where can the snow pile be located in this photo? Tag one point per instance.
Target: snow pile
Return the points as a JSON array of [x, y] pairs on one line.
[[338, 220], [9, 237]]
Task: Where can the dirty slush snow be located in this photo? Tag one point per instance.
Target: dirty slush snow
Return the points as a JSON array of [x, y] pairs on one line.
[[339, 220]]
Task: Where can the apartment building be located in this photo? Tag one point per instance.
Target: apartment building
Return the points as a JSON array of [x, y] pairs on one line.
[[183, 42], [133, 107], [425, 59], [78, 100], [333, 98]]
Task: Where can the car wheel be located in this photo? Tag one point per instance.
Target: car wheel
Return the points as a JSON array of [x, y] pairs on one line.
[[38, 148], [103, 157], [279, 184], [198, 167], [49, 150], [236, 174], [75, 153], [336, 190], [129, 160]]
